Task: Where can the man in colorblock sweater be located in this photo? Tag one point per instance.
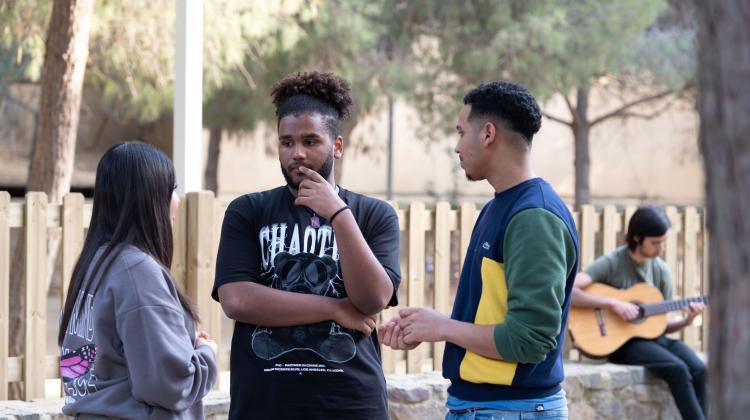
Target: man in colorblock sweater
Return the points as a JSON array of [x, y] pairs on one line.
[[504, 338]]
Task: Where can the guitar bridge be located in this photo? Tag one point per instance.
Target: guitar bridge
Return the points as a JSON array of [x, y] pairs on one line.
[[600, 321]]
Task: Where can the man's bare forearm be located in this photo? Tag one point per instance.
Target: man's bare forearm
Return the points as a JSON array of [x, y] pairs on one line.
[[367, 284], [676, 325], [477, 339], [253, 303], [583, 299]]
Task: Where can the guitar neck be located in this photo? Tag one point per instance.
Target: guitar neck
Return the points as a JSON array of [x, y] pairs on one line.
[[650, 309]]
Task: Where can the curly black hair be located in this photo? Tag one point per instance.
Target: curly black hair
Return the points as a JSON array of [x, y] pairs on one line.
[[513, 104], [322, 93]]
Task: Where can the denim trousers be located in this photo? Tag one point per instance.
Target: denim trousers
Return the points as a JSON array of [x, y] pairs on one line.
[[492, 414]]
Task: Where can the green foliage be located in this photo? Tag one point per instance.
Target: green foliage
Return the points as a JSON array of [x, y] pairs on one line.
[[429, 52], [131, 49], [131, 57], [23, 25], [550, 46], [311, 36]]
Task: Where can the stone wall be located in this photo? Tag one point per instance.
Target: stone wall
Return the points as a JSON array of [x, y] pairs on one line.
[[594, 391], [607, 391]]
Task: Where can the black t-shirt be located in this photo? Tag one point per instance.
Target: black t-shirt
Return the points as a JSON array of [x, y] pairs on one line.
[[320, 370]]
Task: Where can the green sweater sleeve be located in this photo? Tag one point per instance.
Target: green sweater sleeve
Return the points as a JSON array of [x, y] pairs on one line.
[[539, 254]]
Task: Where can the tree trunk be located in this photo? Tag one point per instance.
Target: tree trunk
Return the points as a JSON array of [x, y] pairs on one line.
[[211, 177], [51, 168], [724, 105], [582, 161]]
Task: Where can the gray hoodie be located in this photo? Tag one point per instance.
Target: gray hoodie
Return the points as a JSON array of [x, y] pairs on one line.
[[131, 352]]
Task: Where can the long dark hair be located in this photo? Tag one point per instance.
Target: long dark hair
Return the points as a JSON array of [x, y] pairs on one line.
[[132, 196], [646, 221]]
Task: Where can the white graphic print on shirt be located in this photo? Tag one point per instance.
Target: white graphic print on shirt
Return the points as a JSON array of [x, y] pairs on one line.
[[304, 262]]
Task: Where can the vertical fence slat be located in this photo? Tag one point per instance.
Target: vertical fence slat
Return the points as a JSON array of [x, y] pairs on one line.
[[4, 290], [35, 229], [671, 249], [415, 289], [200, 255], [199, 260], [587, 234], [388, 356], [690, 266], [218, 313], [468, 218], [179, 240], [441, 296], [671, 256], [72, 233], [629, 210], [611, 224]]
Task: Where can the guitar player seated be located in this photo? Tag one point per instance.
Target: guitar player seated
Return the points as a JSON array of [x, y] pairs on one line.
[[638, 261]]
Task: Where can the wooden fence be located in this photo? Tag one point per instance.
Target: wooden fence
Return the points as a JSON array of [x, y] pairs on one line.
[[433, 245]]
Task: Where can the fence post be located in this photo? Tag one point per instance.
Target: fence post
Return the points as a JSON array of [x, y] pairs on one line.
[[690, 267], [671, 248], [179, 245], [415, 288], [611, 224], [72, 234], [222, 357], [388, 355], [629, 210], [4, 290], [468, 218], [200, 255], [587, 234], [442, 276], [35, 229]]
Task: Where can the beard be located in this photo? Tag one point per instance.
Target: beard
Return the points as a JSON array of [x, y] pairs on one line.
[[325, 171]]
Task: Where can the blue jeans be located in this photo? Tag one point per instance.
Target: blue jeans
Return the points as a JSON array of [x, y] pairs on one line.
[[491, 414]]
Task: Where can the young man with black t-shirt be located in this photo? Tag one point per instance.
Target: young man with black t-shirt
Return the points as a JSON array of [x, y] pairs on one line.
[[303, 269]]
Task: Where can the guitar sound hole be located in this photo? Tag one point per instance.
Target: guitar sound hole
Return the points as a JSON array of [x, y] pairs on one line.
[[640, 318]]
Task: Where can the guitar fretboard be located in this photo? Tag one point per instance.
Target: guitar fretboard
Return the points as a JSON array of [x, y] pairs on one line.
[[670, 305]]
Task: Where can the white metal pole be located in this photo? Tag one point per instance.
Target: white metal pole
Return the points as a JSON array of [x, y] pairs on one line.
[[188, 96]]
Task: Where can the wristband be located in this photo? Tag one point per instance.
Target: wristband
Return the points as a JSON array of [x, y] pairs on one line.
[[337, 213]]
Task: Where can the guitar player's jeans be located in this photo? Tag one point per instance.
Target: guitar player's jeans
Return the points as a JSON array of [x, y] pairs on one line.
[[675, 363]]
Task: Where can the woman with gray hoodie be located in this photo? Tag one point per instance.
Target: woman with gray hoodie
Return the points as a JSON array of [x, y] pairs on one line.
[[127, 335]]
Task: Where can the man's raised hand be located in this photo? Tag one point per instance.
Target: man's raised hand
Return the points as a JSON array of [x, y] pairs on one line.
[[317, 194], [422, 324]]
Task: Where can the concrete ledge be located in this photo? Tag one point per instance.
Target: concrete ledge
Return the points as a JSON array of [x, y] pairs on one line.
[[594, 391]]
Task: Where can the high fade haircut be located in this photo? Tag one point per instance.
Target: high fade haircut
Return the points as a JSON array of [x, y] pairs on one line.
[[314, 92], [509, 104]]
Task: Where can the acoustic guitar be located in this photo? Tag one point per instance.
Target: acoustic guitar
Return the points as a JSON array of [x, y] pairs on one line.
[[598, 332]]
